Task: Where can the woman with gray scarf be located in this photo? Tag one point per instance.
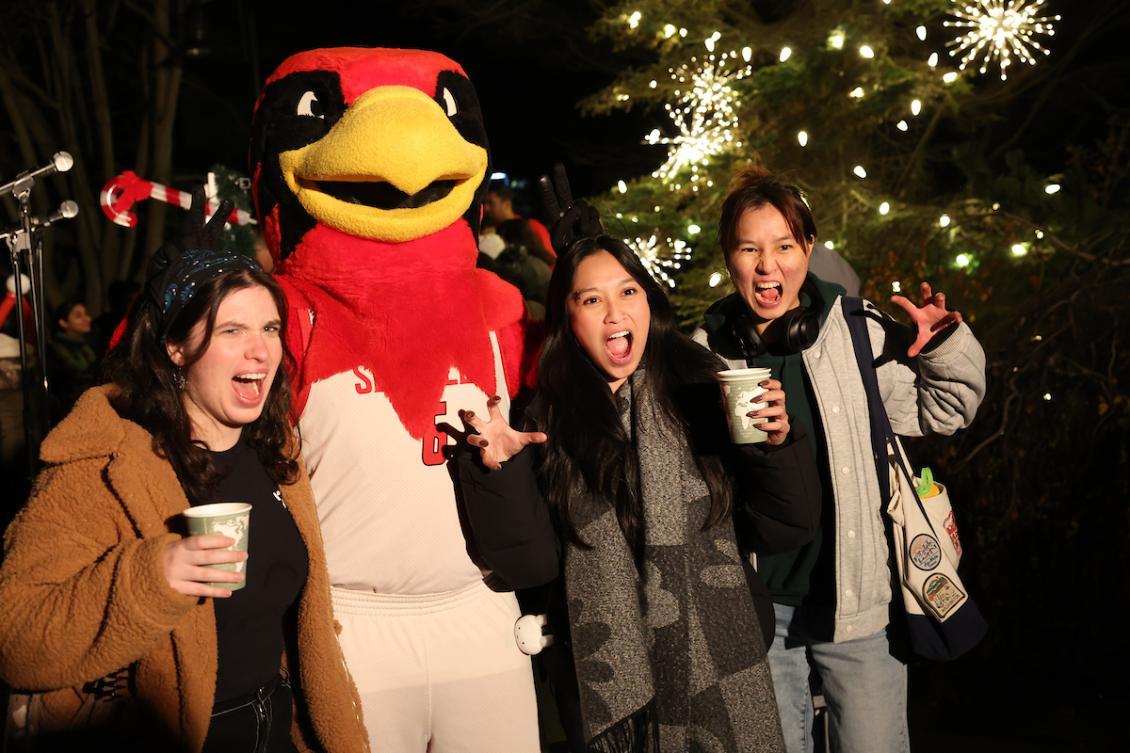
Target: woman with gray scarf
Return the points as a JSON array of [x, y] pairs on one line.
[[624, 490]]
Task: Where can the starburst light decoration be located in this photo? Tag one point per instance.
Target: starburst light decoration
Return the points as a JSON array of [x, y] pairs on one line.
[[999, 31], [703, 113], [661, 260]]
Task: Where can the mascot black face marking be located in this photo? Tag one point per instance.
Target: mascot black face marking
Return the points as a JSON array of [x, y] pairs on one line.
[[295, 111]]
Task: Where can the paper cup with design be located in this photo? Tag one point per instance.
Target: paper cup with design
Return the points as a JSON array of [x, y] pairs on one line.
[[231, 519], [740, 390]]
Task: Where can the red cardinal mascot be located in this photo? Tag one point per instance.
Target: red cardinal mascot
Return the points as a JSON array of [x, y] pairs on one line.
[[369, 168]]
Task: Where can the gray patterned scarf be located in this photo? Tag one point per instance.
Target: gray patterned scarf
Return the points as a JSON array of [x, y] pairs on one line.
[[669, 655]]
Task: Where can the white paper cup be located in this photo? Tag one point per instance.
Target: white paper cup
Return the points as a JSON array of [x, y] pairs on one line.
[[740, 390], [232, 519]]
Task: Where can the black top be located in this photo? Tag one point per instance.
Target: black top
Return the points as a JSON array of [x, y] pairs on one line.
[[249, 625]]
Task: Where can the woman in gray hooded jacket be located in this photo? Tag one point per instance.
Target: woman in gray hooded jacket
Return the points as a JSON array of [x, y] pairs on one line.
[[831, 596]]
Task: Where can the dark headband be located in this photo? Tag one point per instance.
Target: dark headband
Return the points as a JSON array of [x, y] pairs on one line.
[[175, 278]]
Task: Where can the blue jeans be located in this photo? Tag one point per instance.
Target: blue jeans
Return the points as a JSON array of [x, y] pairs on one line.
[[864, 687]]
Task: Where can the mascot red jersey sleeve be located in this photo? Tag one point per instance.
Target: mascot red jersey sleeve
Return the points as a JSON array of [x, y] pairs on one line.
[[369, 168]]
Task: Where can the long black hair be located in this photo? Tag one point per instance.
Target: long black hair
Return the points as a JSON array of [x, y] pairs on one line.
[[148, 393], [588, 442]]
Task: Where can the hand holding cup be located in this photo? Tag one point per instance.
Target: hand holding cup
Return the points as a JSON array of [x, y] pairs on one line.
[[203, 567], [742, 397], [186, 564], [775, 420]]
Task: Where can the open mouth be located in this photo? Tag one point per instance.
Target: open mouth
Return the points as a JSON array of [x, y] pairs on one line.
[[249, 387], [381, 194], [768, 294], [619, 346]]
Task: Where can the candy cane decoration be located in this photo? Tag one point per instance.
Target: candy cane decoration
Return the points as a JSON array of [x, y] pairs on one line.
[[123, 191], [9, 301]]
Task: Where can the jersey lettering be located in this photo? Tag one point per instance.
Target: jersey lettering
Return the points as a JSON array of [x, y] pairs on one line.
[[365, 386], [435, 440]]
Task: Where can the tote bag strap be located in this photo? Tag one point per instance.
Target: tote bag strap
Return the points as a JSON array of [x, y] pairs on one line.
[[882, 434]]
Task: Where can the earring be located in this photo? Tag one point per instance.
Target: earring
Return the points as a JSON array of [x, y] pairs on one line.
[[178, 379]]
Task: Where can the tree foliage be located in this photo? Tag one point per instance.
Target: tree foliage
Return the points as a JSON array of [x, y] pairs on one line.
[[1041, 274], [99, 79]]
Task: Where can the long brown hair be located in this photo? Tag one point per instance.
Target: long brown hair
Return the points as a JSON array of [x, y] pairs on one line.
[[148, 393]]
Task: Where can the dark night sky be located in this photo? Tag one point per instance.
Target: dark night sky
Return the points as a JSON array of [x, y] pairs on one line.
[[529, 71], [532, 61]]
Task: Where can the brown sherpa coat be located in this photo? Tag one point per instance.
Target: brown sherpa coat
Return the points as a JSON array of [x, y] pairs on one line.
[[84, 595]]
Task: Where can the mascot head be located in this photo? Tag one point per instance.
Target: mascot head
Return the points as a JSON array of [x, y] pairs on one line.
[[379, 145]]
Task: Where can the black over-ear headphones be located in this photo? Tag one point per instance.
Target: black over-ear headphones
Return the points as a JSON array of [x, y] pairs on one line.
[[800, 327]]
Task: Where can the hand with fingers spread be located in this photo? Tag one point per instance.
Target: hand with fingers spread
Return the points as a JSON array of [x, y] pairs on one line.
[[496, 439], [185, 561], [929, 320], [777, 424]]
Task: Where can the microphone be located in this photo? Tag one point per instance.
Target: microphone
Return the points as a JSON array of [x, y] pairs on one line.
[[66, 211], [60, 163]]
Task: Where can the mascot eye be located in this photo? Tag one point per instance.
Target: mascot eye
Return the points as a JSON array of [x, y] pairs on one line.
[[310, 106], [449, 102]]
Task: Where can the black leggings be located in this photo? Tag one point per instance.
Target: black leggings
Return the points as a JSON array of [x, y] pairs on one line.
[[257, 723]]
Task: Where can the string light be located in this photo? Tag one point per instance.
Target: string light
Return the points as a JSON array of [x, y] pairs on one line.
[[747, 54], [634, 20], [857, 92], [1019, 249], [859, 171], [704, 115], [933, 61], [950, 77], [921, 32], [885, 208], [715, 279], [694, 229], [712, 39], [652, 84], [802, 138], [902, 126], [998, 31], [622, 186], [896, 287], [944, 221], [962, 260], [786, 53], [1051, 188], [836, 39], [669, 31], [866, 52], [661, 260], [915, 107], [1048, 396]]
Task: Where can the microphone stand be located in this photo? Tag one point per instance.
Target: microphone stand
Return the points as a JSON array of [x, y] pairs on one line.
[[26, 252]]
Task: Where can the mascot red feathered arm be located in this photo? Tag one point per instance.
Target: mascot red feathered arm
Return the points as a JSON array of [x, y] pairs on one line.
[[369, 167]]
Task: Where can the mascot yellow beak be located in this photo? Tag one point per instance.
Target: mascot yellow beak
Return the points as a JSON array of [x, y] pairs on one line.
[[393, 169]]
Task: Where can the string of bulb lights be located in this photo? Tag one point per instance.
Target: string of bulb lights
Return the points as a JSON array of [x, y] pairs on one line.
[[703, 111]]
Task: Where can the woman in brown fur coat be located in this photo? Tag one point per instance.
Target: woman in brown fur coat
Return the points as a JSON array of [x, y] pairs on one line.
[[113, 631]]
